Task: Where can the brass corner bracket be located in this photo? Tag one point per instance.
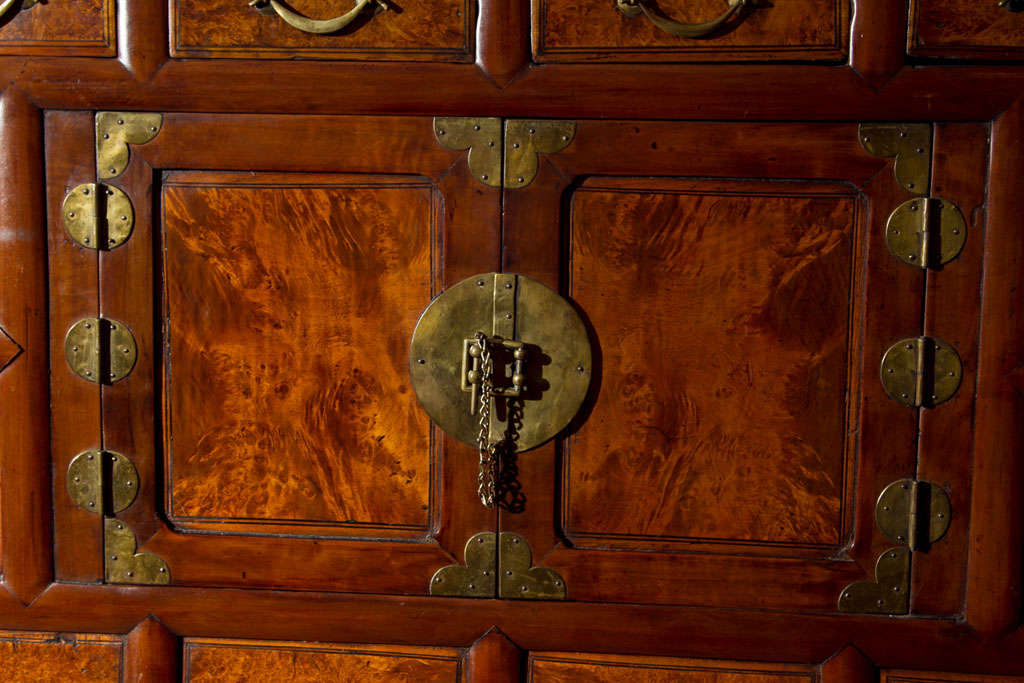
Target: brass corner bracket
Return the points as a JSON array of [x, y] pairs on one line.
[[122, 564], [115, 131], [506, 556], [522, 141], [909, 143], [913, 514]]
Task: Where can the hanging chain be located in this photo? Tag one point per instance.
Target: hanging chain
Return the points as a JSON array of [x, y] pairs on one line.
[[488, 451]]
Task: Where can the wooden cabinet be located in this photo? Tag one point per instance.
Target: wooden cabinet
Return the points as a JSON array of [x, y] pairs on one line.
[[792, 237]]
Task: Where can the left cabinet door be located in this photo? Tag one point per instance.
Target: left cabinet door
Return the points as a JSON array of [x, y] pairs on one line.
[[270, 271]]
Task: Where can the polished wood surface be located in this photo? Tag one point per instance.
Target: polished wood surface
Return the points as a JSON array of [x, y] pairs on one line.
[[436, 30], [27, 657], [152, 654], [25, 507], [82, 28], [936, 677], [222, 660], [285, 340], [962, 28], [723, 312], [554, 667], [585, 30]]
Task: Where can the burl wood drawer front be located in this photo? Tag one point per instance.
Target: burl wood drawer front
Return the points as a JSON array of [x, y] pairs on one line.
[[27, 657], [433, 30], [84, 28], [965, 29], [561, 667], [216, 660], [595, 31]]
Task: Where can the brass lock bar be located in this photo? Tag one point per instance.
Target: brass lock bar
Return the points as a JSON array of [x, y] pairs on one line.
[[471, 376]]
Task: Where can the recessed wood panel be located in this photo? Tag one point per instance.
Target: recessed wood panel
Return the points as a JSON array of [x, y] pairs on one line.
[[79, 28], [431, 30], [965, 28], [568, 668], [27, 657], [588, 30], [895, 676], [722, 311], [232, 660], [290, 301]]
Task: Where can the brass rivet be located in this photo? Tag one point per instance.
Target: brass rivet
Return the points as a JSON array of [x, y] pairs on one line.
[[484, 176], [480, 283], [91, 456], [892, 556], [879, 603], [911, 257], [440, 132], [515, 540], [904, 395], [422, 361], [487, 573], [128, 484], [580, 368], [519, 179], [131, 574], [532, 131], [490, 143], [867, 139], [126, 350], [163, 570], [113, 557], [891, 370], [106, 136], [522, 588], [85, 190], [515, 145], [508, 316], [71, 214], [913, 207], [77, 479], [508, 572], [479, 540], [152, 128], [910, 185], [88, 326], [565, 137], [437, 579], [92, 503], [86, 240], [120, 122], [124, 218], [113, 170], [110, 193], [75, 349], [472, 586], [956, 232], [885, 507], [920, 150], [895, 589], [508, 285], [904, 486], [910, 346], [899, 538], [113, 458], [941, 515], [120, 526], [88, 373], [903, 133], [476, 127], [952, 374], [558, 583]]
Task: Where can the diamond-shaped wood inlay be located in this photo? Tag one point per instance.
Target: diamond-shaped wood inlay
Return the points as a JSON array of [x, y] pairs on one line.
[[9, 349]]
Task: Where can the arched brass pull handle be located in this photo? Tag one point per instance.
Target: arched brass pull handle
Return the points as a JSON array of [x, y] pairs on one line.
[[8, 4], [633, 8], [318, 25]]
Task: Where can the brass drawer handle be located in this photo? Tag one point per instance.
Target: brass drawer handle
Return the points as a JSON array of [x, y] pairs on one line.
[[6, 5], [318, 25], [633, 8]]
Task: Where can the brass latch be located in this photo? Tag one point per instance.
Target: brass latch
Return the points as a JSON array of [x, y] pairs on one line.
[[926, 232], [921, 371], [914, 514], [100, 350], [498, 566], [472, 376]]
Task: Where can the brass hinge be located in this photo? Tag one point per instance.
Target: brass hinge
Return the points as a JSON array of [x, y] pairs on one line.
[[506, 556], [105, 483], [909, 143], [914, 514], [520, 144], [921, 371], [100, 350], [115, 131], [98, 216], [926, 232]]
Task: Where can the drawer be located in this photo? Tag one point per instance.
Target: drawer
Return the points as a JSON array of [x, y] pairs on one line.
[[598, 31], [432, 30], [966, 29], [84, 28]]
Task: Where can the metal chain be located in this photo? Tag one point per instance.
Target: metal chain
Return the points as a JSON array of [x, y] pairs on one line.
[[488, 451]]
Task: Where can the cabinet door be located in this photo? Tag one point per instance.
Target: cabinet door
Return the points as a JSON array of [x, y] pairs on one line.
[[740, 296], [271, 282]]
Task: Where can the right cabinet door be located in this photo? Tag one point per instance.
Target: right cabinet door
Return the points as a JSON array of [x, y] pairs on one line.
[[741, 290]]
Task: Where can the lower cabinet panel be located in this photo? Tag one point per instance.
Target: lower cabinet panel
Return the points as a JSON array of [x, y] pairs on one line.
[[27, 656], [227, 660], [557, 667]]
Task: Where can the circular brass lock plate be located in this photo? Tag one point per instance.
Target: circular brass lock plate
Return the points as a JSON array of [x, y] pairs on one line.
[[515, 308]]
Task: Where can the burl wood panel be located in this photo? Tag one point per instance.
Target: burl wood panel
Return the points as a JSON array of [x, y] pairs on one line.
[[594, 30], [290, 302], [233, 660], [84, 28], [965, 28], [722, 314], [27, 657], [569, 668], [428, 30]]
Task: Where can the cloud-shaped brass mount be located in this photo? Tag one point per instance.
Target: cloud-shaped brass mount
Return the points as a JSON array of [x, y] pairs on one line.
[[115, 131], [909, 143], [123, 564], [510, 561]]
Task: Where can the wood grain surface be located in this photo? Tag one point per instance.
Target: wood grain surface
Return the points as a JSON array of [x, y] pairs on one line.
[[938, 677], [965, 28], [722, 311], [27, 657], [588, 30], [428, 30], [81, 28], [222, 660], [287, 337], [554, 667]]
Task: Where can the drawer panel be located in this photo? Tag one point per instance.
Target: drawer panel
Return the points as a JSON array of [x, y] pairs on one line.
[[73, 29], [593, 31], [433, 30], [966, 29]]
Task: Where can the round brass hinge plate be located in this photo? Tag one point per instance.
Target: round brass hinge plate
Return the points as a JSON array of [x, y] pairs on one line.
[[897, 500], [920, 240], [921, 371], [514, 308], [81, 219]]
